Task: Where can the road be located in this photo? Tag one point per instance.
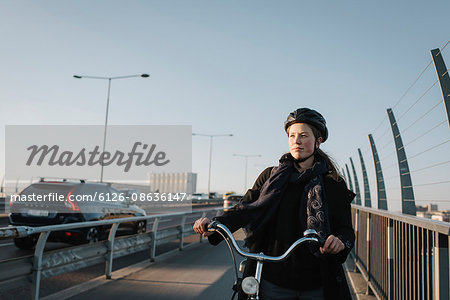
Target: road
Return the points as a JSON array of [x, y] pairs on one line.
[[54, 284], [8, 250]]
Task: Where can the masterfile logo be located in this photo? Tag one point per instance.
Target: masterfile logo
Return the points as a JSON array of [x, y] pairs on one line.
[[130, 154], [53, 156]]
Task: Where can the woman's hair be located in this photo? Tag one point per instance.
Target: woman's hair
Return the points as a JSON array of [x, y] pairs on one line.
[[333, 169]]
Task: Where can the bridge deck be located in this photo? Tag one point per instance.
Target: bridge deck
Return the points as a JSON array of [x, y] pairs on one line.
[[194, 273]]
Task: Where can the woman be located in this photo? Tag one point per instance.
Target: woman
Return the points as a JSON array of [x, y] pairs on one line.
[[304, 192]]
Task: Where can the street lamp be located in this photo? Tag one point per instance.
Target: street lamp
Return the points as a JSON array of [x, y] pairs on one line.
[[211, 136], [107, 101], [246, 162]]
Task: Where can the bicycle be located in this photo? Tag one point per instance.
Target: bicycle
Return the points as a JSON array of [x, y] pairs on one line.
[[250, 284]]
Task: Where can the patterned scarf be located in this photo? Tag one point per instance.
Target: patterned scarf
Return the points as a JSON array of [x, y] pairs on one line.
[[256, 215]]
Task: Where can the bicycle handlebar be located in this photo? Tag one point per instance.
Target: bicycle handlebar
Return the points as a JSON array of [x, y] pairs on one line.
[[310, 235]]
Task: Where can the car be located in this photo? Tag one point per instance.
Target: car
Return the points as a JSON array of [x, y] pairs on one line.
[[98, 205], [199, 197], [227, 194], [231, 201], [213, 195]]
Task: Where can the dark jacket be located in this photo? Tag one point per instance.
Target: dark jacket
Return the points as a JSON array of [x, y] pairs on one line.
[[339, 214]]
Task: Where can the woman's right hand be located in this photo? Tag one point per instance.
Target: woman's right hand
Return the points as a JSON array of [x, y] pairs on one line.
[[201, 226]]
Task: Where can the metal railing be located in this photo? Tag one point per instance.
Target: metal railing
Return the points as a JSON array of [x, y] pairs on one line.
[[52, 263], [401, 256], [2, 204]]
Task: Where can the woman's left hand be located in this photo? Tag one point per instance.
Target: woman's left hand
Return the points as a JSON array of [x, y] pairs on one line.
[[333, 245]]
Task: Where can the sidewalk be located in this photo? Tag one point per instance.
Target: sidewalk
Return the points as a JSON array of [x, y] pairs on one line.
[[194, 273], [189, 274], [356, 282]]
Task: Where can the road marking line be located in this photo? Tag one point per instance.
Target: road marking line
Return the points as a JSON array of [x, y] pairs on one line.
[[7, 244]]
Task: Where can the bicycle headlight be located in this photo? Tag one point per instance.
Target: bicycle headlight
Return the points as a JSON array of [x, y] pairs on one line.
[[250, 285]]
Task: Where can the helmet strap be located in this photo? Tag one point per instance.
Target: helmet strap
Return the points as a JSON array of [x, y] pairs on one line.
[[312, 154]]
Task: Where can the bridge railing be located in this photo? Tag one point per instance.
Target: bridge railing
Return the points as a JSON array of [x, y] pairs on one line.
[[52, 263], [401, 256]]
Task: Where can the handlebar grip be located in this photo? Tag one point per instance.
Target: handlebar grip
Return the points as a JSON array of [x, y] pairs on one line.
[[313, 234], [213, 226], [321, 241]]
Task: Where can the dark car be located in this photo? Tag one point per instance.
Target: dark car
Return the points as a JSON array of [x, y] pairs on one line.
[[231, 201], [63, 205]]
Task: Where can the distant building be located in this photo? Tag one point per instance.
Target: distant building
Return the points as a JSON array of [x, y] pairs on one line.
[[443, 216], [136, 188], [430, 211], [173, 182], [427, 208]]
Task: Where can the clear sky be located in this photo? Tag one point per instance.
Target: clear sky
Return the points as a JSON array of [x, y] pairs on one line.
[[237, 67]]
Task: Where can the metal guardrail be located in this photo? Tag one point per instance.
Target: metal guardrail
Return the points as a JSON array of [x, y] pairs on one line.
[[400, 256], [208, 201], [2, 204], [52, 263]]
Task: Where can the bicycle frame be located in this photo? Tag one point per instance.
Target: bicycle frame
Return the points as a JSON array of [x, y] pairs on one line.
[[250, 284]]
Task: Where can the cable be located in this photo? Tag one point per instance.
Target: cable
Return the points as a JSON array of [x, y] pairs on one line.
[[390, 166], [392, 177], [423, 134], [431, 109], [362, 148], [401, 98], [443, 48], [432, 166], [442, 201], [406, 92], [390, 154], [432, 183], [387, 130], [384, 146], [381, 123], [417, 100], [429, 149], [232, 253]]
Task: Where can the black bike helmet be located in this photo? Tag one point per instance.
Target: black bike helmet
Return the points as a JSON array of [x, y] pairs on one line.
[[309, 116]]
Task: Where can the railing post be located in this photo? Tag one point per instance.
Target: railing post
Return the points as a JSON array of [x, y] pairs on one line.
[[153, 242], [110, 247], [441, 266], [356, 238], [201, 235], [390, 257], [37, 264], [183, 221], [368, 238]]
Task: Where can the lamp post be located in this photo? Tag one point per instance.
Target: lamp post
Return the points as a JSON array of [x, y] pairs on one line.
[[107, 102], [211, 136], [246, 162]]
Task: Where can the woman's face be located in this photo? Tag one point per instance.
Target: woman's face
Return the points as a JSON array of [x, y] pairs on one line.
[[301, 140]]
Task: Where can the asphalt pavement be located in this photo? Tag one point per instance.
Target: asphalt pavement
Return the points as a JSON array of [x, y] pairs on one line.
[[201, 271]]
